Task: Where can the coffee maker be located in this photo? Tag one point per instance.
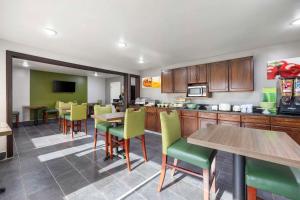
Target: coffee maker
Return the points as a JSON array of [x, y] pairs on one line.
[[290, 96]]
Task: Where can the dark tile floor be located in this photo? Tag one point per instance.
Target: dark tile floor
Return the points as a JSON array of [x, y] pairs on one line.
[[50, 166]]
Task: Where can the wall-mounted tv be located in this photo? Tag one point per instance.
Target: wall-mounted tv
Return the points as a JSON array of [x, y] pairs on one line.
[[63, 86]]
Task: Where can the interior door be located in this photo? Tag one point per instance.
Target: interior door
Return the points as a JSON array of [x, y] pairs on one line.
[[115, 90]]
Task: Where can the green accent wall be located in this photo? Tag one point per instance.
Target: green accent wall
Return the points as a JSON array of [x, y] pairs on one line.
[[41, 88]]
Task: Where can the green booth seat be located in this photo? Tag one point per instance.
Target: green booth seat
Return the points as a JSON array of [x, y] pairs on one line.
[[277, 179], [102, 126], [134, 127], [173, 145]]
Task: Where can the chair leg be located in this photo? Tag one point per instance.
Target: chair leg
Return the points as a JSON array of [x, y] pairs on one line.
[[162, 172], [175, 164], [95, 138], [251, 193], [17, 121], [106, 144], [206, 178], [144, 148], [72, 127], [46, 118], [110, 146], [59, 124], [213, 176], [79, 126], [85, 126], [127, 148]]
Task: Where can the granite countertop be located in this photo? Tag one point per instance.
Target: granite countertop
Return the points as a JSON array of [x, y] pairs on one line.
[[238, 113]]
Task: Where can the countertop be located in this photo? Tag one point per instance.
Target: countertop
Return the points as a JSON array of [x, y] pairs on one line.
[[237, 113]]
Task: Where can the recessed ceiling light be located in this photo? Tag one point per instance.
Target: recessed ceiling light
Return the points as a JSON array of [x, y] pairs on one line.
[[122, 44], [25, 63], [141, 60], [50, 31], [296, 22], [95, 74]]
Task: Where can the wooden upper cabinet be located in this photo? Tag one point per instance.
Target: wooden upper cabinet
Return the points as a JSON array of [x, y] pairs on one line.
[[192, 74], [218, 77], [197, 74], [180, 80], [202, 73], [241, 74], [167, 81]]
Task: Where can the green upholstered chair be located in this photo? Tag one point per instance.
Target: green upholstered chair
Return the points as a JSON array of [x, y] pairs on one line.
[[102, 126], [173, 145], [278, 179], [78, 113], [134, 127], [51, 111]]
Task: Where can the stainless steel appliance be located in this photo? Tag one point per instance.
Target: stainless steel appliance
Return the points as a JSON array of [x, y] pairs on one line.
[[197, 91]]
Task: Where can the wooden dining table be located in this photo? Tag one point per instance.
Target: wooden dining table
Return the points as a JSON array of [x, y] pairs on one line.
[[5, 130], [113, 118], [272, 146], [36, 109], [110, 116]]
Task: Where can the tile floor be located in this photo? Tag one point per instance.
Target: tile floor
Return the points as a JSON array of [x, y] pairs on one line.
[[50, 166]]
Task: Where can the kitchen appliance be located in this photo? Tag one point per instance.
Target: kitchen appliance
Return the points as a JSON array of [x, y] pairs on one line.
[[236, 108], [224, 107], [289, 102], [198, 91], [191, 105], [214, 107], [145, 101]]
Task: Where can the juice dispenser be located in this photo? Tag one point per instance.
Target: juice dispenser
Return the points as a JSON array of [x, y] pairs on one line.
[[290, 96]]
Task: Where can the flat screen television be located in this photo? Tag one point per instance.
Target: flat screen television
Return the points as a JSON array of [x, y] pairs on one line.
[[63, 86]]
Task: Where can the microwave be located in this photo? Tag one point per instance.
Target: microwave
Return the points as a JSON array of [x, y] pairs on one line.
[[197, 91]]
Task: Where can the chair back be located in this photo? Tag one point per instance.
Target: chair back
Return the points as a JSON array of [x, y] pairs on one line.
[[62, 107], [57, 105], [134, 123], [99, 110], [78, 112], [170, 129]]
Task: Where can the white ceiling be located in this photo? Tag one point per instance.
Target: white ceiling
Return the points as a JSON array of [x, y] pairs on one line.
[[59, 69], [164, 32]]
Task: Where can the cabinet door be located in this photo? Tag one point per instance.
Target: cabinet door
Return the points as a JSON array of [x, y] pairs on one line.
[[151, 121], [257, 126], [241, 74], [202, 74], [192, 74], [189, 125], [167, 81], [218, 77], [294, 133], [229, 123], [180, 80], [204, 122]]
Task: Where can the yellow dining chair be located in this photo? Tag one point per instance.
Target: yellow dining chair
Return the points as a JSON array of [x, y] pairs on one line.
[[78, 113], [134, 127], [173, 145], [62, 107], [102, 126]]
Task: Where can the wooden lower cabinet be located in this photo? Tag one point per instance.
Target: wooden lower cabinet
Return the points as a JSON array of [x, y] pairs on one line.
[[291, 131], [151, 121], [229, 123], [202, 122], [188, 125], [256, 126]]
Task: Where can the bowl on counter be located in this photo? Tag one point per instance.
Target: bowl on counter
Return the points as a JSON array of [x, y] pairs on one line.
[[191, 105]]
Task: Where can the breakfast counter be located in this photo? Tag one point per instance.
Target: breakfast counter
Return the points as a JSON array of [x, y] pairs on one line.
[[193, 119]]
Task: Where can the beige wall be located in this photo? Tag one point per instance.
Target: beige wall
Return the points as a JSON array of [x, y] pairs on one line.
[[261, 56]]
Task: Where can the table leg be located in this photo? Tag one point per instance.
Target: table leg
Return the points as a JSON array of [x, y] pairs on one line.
[[239, 187], [36, 117]]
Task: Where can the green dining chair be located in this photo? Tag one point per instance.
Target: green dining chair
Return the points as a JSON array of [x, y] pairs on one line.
[[277, 179], [134, 127], [78, 114], [61, 113], [102, 126], [173, 145]]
